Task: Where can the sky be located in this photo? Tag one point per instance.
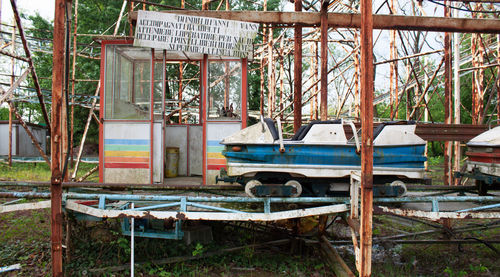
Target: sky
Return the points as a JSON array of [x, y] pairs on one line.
[[44, 7]]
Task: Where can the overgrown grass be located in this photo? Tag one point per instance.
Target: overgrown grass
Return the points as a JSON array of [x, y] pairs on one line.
[[100, 245], [38, 172]]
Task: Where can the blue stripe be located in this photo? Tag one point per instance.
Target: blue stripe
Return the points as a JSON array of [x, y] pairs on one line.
[[213, 143], [127, 141], [408, 156]]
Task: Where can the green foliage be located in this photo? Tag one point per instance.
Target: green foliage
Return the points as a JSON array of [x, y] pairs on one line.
[[4, 114], [449, 272], [198, 250]]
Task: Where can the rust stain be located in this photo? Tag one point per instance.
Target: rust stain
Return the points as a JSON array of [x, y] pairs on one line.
[[181, 216]]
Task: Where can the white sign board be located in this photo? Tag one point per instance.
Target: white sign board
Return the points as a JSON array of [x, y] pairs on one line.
[[195, 34]]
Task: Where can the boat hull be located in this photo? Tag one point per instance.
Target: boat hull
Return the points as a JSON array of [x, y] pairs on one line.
[[324, 161]]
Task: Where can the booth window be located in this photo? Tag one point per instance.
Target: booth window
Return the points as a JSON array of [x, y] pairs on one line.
[[182, 93], [224, 94], [127, 89]]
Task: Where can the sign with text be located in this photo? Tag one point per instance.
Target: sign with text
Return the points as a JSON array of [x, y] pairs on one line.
[[196, 34]]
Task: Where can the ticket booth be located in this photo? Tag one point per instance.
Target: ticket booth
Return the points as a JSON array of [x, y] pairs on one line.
[[152, 100]]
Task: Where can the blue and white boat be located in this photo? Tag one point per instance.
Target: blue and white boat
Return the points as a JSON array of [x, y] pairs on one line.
[[319, 158]]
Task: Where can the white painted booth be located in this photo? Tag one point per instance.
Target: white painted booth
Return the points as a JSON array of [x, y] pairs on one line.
[[154, 98]]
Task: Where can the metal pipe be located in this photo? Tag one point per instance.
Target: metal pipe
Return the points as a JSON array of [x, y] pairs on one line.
[[367, 77], [462, 241], [135, 197], [297, 72], [324, 61], [56, 136], [447, 99], [456, 89], [132, 241], [479, 208]]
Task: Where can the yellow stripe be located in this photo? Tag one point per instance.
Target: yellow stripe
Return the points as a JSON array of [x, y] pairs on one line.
[[217, 155], [126, 153]]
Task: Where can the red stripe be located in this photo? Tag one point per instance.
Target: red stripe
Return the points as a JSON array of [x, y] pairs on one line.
[[215, 167], [484, 157], [125, 165]]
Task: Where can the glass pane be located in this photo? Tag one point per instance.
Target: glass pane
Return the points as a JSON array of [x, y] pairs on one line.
[[108, 84], [224, 94], [142, 89], [127, 83], [158, 89], [182, 105]]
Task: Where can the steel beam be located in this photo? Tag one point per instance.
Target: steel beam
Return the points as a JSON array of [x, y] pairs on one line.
[[222, 216], [56, 136], [447, 99], [436, 216], [324, 61], [297, 72], [366, 138], [345, 20]]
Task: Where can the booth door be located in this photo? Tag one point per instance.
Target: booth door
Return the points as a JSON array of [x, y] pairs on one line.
[[225, 110]]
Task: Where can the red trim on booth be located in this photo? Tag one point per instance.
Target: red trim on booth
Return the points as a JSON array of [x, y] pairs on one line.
[[204, 96], [244, 91], [151, 110]]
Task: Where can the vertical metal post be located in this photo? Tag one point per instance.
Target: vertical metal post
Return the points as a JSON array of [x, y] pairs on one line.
[[314, 74], [73, 82], [12, 79], [426, 118], [181, 74], [282, 74], [56, 137], [297, 72], [366, 137], [456, 88], [271, 86], [1, 40], [131, 26], [393, 79], [498, 73], [205, 5], [132, 242], [10, 136], [447, 98], [324, 61], [356, 74], [262, 62]]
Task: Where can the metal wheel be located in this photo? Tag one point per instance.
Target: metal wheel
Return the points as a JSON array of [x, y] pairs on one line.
[[297, 188], [401, 185], [250, 185]]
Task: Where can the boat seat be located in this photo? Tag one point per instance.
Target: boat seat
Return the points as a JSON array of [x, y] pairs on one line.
[[304, 129], [299, 132], [381, 126], [272, 128]]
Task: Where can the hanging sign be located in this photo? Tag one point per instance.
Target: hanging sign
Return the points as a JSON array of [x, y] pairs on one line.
[[196, 34]]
